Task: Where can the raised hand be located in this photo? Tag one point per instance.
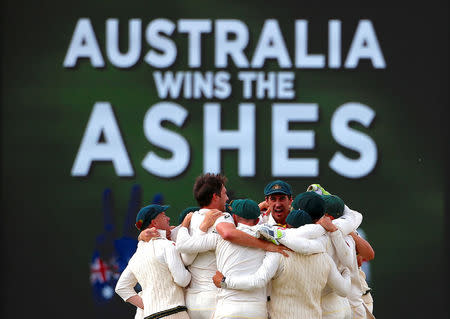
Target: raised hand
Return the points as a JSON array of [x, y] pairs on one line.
[[210, 218], [218, 279], [147, 234]]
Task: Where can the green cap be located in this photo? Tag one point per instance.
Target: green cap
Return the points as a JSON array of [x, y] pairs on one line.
[[245, 208], [187, 211], [334, 205], [298, 218], [278, 187], [311, 202], [147, 214]]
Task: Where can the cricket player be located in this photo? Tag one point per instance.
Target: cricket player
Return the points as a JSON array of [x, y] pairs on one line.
[[158, 268]]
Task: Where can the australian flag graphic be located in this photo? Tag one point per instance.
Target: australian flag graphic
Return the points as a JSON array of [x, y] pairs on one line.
[[111, 254]]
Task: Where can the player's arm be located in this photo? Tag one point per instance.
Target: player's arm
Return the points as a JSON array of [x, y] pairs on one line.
[[229, 232], [349, 221], [340, 283], [363, 248], [307, 239], [181, 276], [259, 279], [125, 288], [188, 244], [343, 251]]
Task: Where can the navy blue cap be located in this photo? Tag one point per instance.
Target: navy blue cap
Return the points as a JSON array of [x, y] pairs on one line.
[[298, 217], [187, 211], [245, 208], [278, 187], [311, 202], [147, 214], [334, 205]]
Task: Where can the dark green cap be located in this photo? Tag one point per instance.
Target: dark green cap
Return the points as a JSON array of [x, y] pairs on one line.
[[245, 208], [298, 218], [187, 211], [311, 202], [147, 214], [334, 205], [278, 187]]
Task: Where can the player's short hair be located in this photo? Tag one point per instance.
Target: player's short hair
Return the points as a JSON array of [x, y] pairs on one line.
[[206, 185]]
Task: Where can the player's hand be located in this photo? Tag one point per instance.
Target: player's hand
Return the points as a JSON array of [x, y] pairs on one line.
[[218, 279], [326, 223], [187, 220], [263, 206], [345, 272], [210, 218], [148, 234], [277, 248]]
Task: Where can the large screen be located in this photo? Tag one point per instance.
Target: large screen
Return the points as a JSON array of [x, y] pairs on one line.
[[111, 106]]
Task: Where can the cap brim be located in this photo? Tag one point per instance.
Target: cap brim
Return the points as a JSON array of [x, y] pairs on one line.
[[277, 191]]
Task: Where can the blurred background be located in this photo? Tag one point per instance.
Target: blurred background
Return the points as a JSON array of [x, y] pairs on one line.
[[66, 237]]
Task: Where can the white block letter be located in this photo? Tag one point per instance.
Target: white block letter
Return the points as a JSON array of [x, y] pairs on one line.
[[233, 48], [302, 58], [216, 139], [166, 139], [354, 140], [271, 45], [283, 140], [102, 120], [365, 46], [194, 29], [156, 40], [134, 43], [83, 45], [334, 44]]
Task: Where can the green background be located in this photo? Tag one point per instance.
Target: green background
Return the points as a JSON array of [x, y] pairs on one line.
[[51, 219]]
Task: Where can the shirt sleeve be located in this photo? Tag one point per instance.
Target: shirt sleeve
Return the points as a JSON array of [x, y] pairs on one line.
[[341, 284], [226, 218], [180, 274], [310, 231], [349, 221], [259, 279], [188, 244], [125, 284], [343, 250], [305, 246]]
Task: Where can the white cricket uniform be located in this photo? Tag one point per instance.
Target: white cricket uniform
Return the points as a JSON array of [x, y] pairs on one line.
[[333, 305], [355, 297], [158, 268], [201, 292], [297, 284]]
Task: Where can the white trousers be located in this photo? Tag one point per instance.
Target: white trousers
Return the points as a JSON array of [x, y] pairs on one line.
[[240, 310], [201, 305]]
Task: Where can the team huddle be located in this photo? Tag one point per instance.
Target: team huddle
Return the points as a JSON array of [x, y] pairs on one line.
[[284, 258]]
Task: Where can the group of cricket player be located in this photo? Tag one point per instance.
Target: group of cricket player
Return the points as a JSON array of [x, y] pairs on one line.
[[287, 256]]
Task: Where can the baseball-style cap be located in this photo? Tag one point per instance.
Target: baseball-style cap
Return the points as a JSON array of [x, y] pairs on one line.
[[334, 205], [245, 208], [298, 218], [278, 187], [311, 202], [147, 214], [187, 211]]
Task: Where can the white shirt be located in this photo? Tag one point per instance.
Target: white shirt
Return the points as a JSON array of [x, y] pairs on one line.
[[203, 266]]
